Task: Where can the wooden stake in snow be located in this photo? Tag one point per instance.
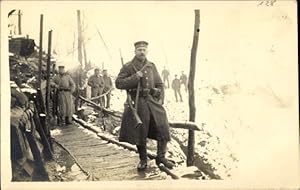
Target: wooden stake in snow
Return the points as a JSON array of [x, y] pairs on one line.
[[79, 59], [192, 107], [48, 86]]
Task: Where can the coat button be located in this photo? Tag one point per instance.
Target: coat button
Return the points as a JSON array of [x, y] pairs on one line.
[[146, 78], [145, 72]]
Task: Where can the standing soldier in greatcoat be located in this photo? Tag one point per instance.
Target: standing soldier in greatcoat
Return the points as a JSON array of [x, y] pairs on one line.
[[165, 75], [150, 109], [176, 87], [108, 85], [65, 86], [97, 84]]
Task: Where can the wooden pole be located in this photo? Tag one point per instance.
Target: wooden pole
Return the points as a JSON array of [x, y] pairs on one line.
[[192, 107], [84, 49], [48, 90], [79, 59], [19, 22], [48, 74], [40, 53]]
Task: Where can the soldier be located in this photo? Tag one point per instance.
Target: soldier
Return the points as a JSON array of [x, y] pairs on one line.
[[97, 84], [165, 74], [176, 88], [107, 88], [183, 80], [65, 86], [149, 109]]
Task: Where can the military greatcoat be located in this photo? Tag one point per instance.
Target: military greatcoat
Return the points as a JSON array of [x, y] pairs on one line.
[[150, 109]]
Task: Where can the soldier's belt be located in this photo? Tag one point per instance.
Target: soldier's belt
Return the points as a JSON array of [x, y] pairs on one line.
[[143, 92]]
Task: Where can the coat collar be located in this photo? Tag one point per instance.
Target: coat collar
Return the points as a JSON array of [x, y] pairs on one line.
[[139, 63]]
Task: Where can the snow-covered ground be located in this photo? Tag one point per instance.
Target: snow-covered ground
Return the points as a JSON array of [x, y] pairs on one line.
[[235, 120]]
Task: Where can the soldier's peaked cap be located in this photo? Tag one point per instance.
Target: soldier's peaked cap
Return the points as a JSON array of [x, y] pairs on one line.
[[140, 44]]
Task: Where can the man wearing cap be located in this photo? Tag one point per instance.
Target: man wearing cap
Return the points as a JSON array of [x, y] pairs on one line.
[[97, 84], [176, 87], [107, 88], [149, 109], [66, 86]]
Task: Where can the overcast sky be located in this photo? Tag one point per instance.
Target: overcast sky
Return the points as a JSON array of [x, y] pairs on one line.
[[237, 40]]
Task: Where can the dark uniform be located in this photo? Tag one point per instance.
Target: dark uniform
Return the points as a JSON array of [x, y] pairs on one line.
[[176, 87], [183, 80], [150, 109], [97, 84], [165, 75], [107, 89]]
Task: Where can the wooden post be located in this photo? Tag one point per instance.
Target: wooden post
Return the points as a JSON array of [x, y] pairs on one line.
[[192, 108], [19, 22], [40, 53], [79, 59], [48, 90], [48, 76], [84, 50]]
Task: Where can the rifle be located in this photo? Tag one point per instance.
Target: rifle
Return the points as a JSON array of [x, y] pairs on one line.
[[129, 102], [137, 119]]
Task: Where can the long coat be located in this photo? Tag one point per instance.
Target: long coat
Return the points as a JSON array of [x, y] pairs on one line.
[[97, 84], [150, 109], [65, 97]]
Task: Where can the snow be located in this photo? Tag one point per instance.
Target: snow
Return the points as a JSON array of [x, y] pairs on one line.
[[55, 132], [227, 115]]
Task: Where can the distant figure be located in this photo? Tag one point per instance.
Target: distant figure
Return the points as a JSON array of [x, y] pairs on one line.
[[108, 85], [65, 86], [176, 87], [183, 80], [165, 75], [97, 84]]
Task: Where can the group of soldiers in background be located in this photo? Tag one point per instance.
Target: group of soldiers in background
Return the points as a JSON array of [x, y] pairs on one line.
[[65, 87], [101, 86], [176, 83]]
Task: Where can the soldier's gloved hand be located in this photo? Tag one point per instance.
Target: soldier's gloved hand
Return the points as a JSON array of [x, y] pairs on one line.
[[139, 74]]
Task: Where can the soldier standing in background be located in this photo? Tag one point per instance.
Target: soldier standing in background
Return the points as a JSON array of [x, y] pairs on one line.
[[150, 109], [65, 86], [176, 87], [183, 80], [165, 75], [107, 88], [97, 84]]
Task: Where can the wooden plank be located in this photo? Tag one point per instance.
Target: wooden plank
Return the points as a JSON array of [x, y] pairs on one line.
[[184, 125]]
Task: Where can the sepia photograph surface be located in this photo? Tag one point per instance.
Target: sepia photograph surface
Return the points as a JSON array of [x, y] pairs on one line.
[[149, 95]]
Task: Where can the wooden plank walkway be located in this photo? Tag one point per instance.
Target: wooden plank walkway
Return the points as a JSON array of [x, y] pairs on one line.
[[105, 161]]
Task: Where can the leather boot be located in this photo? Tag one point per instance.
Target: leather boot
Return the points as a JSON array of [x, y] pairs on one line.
[[142, 165], [161, 153], [69, 120]]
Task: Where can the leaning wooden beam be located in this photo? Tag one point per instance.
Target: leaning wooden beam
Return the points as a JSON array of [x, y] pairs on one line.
[[100, 108], [184, 125], [102, 95]]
